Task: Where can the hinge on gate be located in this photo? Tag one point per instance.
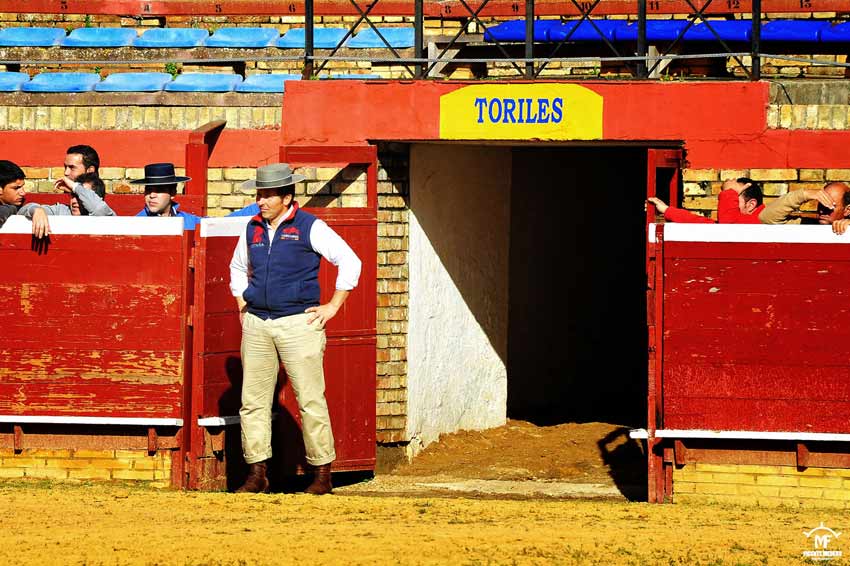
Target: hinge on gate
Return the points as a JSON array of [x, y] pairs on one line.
[[190, 317], [192, 258], [153, 441], [18, 434]]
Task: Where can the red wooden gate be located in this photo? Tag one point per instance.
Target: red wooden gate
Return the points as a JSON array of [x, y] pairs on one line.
[[94, 334], [349, 358]]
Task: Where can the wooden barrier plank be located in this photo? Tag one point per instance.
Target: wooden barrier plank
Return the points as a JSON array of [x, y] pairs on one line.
[[84, 398], [756, 381], [758, 414]]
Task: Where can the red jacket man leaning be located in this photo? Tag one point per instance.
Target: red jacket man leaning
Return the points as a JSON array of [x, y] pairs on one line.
[[740, 202]]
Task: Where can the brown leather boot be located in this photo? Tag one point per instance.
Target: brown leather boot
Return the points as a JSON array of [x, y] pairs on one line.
[[256, 482], [321, 480]]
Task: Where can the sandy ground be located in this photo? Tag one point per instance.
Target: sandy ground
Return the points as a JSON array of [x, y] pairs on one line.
[[515, 495], [108, 524]]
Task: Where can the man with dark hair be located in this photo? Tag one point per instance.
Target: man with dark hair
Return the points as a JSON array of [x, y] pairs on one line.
[[80, 159], [86, 199], [833, 205], [274, 275], [739, 202], [12, 192], [160, 189]]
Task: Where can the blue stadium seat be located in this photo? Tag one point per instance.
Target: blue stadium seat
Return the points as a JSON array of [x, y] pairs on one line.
[[398, 38], [204, 82], [62, 82], [30, 37], [274, 82], [11, 82], [728, 30], [134, 82], [99, 37], [170, 38], [656, 30], [808, 31], [514, 30], [839, 33], [585, 31], [244, 38], [353, 76], [323, 38]]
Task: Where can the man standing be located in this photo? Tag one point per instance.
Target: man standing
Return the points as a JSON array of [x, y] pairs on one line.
[[160, 189], [80, 159], [12, 190], [274, 277]]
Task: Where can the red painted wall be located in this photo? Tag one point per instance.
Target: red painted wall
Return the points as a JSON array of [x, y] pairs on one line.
[[135, 148], [723, 124]]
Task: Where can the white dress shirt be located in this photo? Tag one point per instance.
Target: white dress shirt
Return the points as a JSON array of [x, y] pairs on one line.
[[323, 240]]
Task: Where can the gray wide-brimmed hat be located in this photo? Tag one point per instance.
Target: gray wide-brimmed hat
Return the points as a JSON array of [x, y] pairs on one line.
[[273, 176], [160, 174]]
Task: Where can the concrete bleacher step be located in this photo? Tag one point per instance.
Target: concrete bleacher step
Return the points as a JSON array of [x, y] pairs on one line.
[[204, 82], [274, 82], [323, 38], [61, 82], [99, 37], [31, 37], [172, 38], [242, 38], [11, 81], [398, 38], [134, 82]]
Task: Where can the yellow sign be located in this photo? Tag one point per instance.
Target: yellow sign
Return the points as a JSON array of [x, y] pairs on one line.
[[546, 111]]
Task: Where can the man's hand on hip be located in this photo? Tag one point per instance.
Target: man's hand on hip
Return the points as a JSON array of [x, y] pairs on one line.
[[322, 314]]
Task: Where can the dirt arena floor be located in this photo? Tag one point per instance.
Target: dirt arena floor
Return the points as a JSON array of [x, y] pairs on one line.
[[413, 516]]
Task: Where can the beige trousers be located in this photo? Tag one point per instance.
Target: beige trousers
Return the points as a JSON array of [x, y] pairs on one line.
[[301, 347]]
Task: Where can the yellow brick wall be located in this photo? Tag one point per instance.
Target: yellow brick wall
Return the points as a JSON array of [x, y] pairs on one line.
[[67, 464], [764, 486], [701, 186], [136, 117]]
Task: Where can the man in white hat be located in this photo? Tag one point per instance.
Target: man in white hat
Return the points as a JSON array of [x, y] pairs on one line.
[[274, 275]]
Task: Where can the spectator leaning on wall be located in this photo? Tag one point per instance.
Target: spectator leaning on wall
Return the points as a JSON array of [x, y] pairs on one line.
[[739, 202], [12, 192], [833, 205]]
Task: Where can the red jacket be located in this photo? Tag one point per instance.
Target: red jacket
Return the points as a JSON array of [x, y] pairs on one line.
[[727, 212]]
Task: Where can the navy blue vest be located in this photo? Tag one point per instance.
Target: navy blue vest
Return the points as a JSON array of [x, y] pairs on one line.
[[284, 275]]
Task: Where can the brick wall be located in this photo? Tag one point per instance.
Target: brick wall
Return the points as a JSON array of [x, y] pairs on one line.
[[701, 186], [14, 116], [62, 464], [393, 193], [766, 486]]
